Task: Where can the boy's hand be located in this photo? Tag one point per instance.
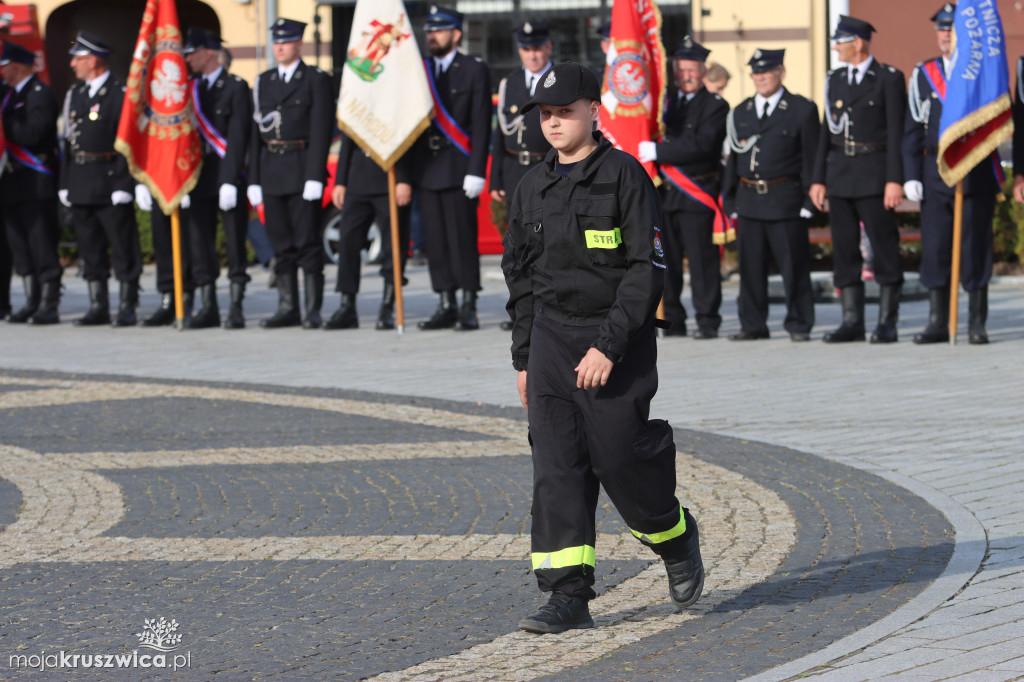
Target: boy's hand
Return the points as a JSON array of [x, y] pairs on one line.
[[593, 370], [521, 385]]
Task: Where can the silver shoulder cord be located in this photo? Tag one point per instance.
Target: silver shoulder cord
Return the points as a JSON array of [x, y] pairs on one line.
[[516, 124], [840, 126], [920, 109], [734, 144], [69, 127], [271, 121]]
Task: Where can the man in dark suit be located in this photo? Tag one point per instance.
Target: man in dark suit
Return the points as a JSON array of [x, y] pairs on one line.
[[287, 168], [927, 91], [224, 113], [1018, 134], [773, 136], [28, 188], [859, 167], [450, 162], [691, 158]]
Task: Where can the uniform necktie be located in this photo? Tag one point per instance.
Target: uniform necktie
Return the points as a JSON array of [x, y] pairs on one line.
[[533, 79], [764, 111]]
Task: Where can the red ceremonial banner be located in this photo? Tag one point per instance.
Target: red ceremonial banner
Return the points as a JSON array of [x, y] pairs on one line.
[[157, 133], [633, 90]]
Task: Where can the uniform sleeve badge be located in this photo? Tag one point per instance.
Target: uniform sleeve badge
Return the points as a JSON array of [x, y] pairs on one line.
[[659, 250]]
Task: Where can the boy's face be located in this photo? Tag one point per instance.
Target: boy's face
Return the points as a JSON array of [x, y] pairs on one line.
[[569, 127]]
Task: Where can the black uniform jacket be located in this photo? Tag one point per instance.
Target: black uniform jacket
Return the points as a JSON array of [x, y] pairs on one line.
[[553, 255], [1018, 121], [921, 145], [228, 107], [694, 132], [30, 120], [783, 158], [305, 106], [876, 108], [465, 91], [90, 127], [526, 137], [361, 175]]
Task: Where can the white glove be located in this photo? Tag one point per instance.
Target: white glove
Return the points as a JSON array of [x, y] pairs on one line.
[[313, 190], [647, 151], [228, 197], [117, 197], [255, 195], [63, 196], [186, 201], [806, 213], [472, 185], [914, 190], [143, 198]]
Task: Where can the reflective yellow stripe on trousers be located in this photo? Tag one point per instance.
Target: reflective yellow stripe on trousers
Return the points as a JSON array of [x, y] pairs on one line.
[[570, 556], [664, 536]]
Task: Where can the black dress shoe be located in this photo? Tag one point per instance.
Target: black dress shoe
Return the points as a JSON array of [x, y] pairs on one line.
[[561, 613], [844, 334], [799, 336], [686, 570], [932, 335], [702, 334], [743, 335]]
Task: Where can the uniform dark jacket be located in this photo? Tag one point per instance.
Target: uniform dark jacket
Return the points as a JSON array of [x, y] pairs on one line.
[[552, 257], [785, 148], [301, 109], [921, 144], [90, 127], [30, 120], [694, 132], [228, 107], [361, 175], [1018, 121], [465, 91], [876, 108], [526, 137]]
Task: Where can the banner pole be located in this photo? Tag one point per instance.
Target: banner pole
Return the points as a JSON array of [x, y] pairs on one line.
[[179, 303], [954, 271], [396, 260]]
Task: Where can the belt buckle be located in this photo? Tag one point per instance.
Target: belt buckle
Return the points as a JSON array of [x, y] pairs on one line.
[[79, 158], [849, 147], [524, 158], [434, 142], [761, 186]]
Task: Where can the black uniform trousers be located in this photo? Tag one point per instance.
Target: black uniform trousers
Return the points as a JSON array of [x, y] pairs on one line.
[[293, 228], [450, 230], [880, 226], [5, 272], [689, 233], [99, 228], [787, 242], [585, 439], [33, 230], [937, 240], [357, 216], [202, 228], [160, 225]]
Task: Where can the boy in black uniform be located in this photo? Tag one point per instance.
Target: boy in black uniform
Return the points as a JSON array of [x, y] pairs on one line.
[[583, 265]]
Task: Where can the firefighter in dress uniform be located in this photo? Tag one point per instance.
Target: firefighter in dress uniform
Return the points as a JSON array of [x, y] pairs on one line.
[[691, 153], [927, 90], [518, 143], [28, 188], [5, 252], [224, 113], [293, 120], [860, 169], [1018, 134], [450, 162], [772, 136]]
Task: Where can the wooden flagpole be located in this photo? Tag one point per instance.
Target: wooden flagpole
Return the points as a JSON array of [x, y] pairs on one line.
[[954, 271], [179, 303], [396, 246]]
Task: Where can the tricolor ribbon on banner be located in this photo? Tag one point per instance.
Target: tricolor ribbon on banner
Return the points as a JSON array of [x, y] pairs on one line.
[[217, 142], [724, 231], [444, 119]]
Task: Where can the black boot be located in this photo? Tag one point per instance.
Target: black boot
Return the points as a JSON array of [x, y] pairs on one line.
[[561, 613], [209, 315], [99, 305], [446, 314], [937, 330], [977, 316], [386, 313], [684, 566], [235, 319], [852, 327], [287, 314], [314, 289], [467, 314], [47, 312], [163, 315], [888, 314], [345, 317], [129, 303], [32, 294]]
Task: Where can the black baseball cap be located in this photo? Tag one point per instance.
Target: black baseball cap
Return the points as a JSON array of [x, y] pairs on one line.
[[564, 84]]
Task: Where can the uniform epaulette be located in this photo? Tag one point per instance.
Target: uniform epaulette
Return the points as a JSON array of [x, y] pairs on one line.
[[478, 59], [237, 78], [892, 69], [717, 96]]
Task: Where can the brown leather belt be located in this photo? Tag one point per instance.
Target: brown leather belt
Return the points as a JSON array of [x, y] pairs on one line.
[[82, 158], [762, 186], [525, 157], [858, 148], [284, 146]]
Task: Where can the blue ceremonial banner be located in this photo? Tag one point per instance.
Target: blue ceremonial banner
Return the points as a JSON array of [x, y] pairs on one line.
[[976, 116]]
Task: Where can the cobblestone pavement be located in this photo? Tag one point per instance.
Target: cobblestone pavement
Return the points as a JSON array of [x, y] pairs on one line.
[[859, 505]]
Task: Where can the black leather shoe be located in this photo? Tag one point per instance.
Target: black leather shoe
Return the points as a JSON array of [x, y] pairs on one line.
[[702, 334], [236, 318], [685, 569], [844, 334], [932, 335], [799, 336], [346, 316], [743, 335], [675, 329], [468, 320], [561, 613], [445, 317]]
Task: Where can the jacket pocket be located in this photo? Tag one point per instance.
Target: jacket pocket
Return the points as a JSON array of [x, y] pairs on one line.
[[601, 233]]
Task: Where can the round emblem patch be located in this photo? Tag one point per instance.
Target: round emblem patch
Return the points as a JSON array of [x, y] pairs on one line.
[[628, 77]]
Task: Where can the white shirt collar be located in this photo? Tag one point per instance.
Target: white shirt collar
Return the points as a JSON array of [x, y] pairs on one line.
[[861, 69], [286, 72], [21, 85], [96, 83], [446, 60], [945, 66], [212, 78], [535, 76], [772, 101]]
